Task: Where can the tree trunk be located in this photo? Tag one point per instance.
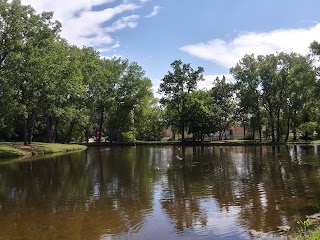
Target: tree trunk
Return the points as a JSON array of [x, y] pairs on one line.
[[173, 134], [55, 137], [273, 136], [49, 122], [30, 124], [279, 132], [67, 138], [182, 132], [270, 111], [87, 135], [288, 127], [101, 123], [25, 131], [294, 130], [260, 134]]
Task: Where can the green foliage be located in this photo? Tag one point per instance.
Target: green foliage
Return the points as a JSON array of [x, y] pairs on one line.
[[306, 224], [53, 91], [131, 91], [149, 120], [223, 105], [308, 129], [248, 92], [280, 87], [177, 87], [58, 92], [127, 137]]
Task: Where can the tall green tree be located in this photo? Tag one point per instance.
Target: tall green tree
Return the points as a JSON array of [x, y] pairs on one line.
[[248, 91], [284, 86], [66, 97], [130, 90], [92, 73], [176, 86], [103, 90], [315, 56], [200, 120], [25, 37], [149, 120], [223, 105]]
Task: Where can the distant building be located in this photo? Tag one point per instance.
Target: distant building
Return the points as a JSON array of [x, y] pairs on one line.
[[236, 132]]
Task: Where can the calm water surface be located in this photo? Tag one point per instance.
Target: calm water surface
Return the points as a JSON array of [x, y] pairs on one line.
[[165, 192]]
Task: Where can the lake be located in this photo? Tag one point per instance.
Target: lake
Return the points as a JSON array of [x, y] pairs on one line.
[[160, 192]]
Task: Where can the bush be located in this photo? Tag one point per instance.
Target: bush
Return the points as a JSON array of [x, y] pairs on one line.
[[308, 129], [127, 137]]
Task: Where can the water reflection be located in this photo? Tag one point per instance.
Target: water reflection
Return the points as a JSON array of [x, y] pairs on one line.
[[159, 192]]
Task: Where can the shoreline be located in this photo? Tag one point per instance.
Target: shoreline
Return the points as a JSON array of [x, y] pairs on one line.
[[198, 143], [17, 149]]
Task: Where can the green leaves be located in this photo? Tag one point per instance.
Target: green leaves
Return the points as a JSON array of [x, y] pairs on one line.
[[279, 86], [177, 87]]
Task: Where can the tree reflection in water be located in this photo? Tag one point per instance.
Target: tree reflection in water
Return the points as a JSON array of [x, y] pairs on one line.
[[131, 192]]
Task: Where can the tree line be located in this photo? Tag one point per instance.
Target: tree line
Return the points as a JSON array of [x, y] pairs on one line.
[[53, 91], [279, 91]]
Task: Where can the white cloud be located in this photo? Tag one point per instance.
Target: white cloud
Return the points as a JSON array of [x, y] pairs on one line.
[[154, 12], [109, 49], [207, 83], [124, 22], [83, 25], [227, 54]]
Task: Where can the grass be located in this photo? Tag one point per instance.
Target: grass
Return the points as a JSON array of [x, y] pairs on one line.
[[7, 151], [15, 149], [59, 147], [309, 235]]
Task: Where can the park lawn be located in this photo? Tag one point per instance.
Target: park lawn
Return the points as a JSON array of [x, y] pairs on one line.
[[59, 147], [7, 151], [16, 149]]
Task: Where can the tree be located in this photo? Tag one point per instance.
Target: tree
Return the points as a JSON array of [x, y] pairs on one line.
[[248, 91], [307, 129], [105, 78], [200, 117], [149, 120], [223, 105], [283, 85], [177, 87], [302, 91], [92, 72], [25, 37], [130, 90], [315, 55]]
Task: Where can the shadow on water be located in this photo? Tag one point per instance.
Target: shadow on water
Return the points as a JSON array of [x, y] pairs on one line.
[[148, 192]]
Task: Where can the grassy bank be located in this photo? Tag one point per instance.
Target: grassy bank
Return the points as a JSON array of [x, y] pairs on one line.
[[14, 149], [198, 143], [310, 235]]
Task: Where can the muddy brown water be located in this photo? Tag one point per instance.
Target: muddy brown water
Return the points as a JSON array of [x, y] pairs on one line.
[[164, 192]]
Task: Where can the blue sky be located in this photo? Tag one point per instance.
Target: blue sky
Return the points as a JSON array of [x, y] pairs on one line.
[[214, 34]]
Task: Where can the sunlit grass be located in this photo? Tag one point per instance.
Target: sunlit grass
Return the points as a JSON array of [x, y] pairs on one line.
[[16, 149], [9, 151], [58, 147]]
